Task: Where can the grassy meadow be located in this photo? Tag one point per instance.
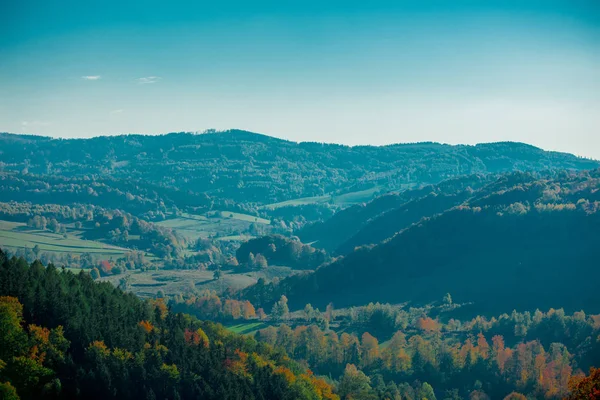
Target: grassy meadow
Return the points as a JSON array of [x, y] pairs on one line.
[[224, 225], [15, 235], [247, 328], [172, 282], [343, 200]]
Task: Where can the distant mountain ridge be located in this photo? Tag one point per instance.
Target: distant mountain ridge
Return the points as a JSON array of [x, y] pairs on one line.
[[246, 167]]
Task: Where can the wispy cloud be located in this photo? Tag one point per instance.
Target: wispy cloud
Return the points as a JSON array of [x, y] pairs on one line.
[[29, 126], [119, 111], [148, 79], [91, 77]]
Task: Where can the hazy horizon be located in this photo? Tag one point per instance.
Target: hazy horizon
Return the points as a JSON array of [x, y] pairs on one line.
[[210, 131], [342, 72]]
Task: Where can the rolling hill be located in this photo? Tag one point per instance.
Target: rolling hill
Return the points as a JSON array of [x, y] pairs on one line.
[[534, 244], [380, 218], [244, 167]]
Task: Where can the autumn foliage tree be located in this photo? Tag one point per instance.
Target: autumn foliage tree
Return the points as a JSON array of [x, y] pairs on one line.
[[527, 367], [585, 387], [28, 356], [117, 346]]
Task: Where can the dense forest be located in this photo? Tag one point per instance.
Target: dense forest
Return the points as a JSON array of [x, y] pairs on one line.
[[490, 250], [65, 336], [404, 272], [473, 359], [391, 349], [369, 223], [240, 166]]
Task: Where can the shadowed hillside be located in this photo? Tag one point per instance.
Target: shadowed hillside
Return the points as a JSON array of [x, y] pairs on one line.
[[533, 245], [379, 219]]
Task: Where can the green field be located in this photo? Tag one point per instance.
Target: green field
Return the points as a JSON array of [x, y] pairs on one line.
[[148, 283], [299, 202], [356, 197], [76, 270], [16, 235], [346, 199], [172, 282], [225, 224], [237, 238], [247, 328], [244, 217]]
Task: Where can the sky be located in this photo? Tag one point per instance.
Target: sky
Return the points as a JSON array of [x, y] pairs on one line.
[[351, 72]]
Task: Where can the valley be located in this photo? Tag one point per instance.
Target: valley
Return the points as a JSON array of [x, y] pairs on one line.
[[18, 236], [300, 200], [411, 271]]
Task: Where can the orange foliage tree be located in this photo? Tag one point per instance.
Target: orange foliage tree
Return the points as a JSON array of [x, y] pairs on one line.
[[146, 326], [428, 325], [585, 387]]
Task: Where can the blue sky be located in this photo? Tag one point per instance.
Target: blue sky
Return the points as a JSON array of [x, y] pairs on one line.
[[353, 72]]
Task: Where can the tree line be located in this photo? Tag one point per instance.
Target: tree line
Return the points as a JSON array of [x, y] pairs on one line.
[[66, 336], [479, 366]]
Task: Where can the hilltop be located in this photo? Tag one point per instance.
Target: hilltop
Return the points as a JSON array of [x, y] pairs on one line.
[[246, 167]]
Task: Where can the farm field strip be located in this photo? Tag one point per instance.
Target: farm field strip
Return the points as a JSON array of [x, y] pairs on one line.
[[246, 328], [12, 235], [342, 199], [227, 225]]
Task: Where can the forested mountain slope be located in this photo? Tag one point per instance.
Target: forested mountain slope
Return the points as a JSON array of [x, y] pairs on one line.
[[424, 203], [385, 215], [138, 197], [64, 336], [535, 244], [247, 167], [393, 221]]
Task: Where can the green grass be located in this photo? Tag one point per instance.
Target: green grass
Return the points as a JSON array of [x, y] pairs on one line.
[[299, 202], [194, 217], [245, 217], [356, 197], [172, 282], [191, 228], [76, 270], [225, 224], [247, 327], [346, 199], [237, 238], [17, 235]]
